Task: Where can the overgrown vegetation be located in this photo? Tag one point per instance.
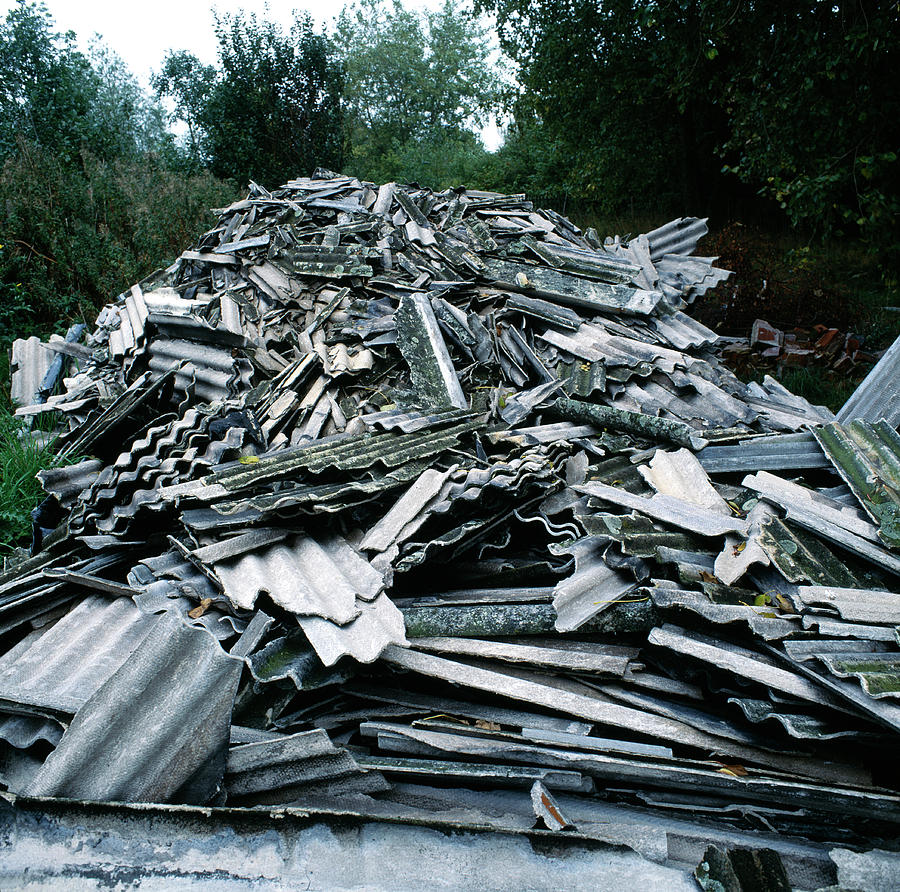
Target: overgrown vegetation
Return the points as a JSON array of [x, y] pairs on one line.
[[21, 457]]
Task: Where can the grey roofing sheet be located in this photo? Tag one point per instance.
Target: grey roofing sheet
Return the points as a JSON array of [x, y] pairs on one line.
[[669, 510], [803, 726], [787, 494], [878, 396], [69, 482], [592, 587], [57, 669], [29, 363], [283, 765], [676, 237], [536, 690], [853, 604], [879, 674], [779, 452], [762, 622], [583, 657], [306, 576], [344, 452], [174, 745], [680, 475], [627, 769], [391, 528], [378, 626], [214, 371], [683, 332], [741, 661], [23, 731], [570, 290], [425, 352], [867, 456]]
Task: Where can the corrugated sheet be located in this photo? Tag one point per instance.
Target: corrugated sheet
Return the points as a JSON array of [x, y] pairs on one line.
[[738, 660], [57, 670], [24, 731], [867, 456], [678, 600], [683, 332], [379, 625], [679, 474], [686, 278], [306, 576], [282, 767], [575, 656], [780, 452], [173, 746], [878, 674], [214, 372], [30, 360], [669, 510], [878, 396], [345, 452], [591, 588], [677, 237], [70, 482], [410, 422], [853, 604]]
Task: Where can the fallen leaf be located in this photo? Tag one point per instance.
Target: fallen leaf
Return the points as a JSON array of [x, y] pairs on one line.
[[200, 609]]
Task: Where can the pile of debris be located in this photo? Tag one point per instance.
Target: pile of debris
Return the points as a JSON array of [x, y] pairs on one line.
[[389, 499], [828, 349]]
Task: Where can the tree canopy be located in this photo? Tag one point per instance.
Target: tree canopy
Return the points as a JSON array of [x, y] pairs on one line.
[[799, 101], [271, 109], [417, 85]]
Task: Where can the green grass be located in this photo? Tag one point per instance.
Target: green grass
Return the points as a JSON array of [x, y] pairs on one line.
[[20, 460], [819, 389]]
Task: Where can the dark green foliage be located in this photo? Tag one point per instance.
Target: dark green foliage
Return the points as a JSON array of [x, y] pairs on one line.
[[54, 96], [672, 100], [272, 109], [93, 192], [75, 235]]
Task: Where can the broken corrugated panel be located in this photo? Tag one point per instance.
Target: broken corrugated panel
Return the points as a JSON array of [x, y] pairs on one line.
[[678, 237], [173, 747], [781, 452], [867, 456], [591, 588], [29, 362], [305, 576], [280, 767], [738, 660], [55, 671], [668, 509], [426, 354], [378, 625], [852, 604]]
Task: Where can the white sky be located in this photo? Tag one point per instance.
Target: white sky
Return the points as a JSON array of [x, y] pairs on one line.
[[141, 32]]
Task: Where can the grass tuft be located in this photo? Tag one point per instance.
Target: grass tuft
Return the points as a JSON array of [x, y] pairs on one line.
[[22, 455]]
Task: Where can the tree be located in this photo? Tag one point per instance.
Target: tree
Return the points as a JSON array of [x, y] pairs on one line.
[[416, 86], [272, 108], [800, 101], [46, 86], [54, 96], [189, 83], [90, 199]]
